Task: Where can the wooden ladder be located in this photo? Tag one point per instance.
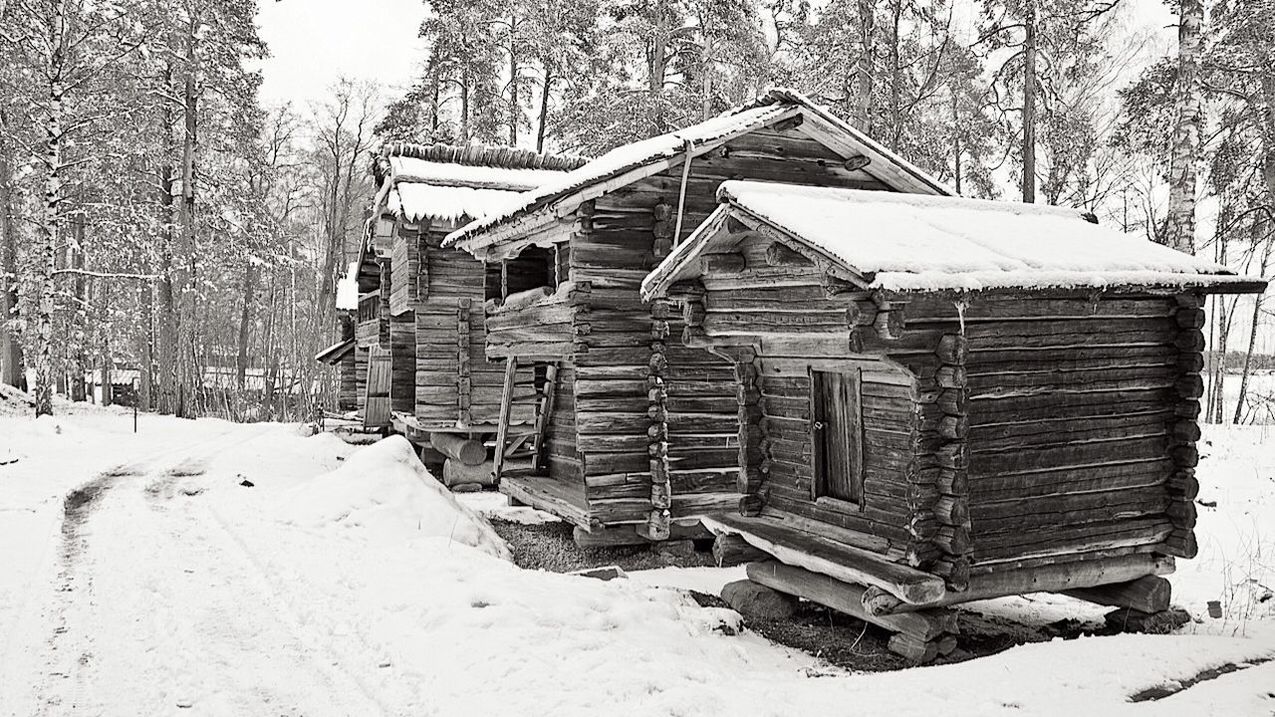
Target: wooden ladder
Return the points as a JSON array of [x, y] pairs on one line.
[[525, 445]]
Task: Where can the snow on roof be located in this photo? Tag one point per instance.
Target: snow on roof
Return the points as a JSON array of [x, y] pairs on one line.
[[909, 242], [415, 202], [767, 109], [448, 182], [411, 169], [347, 288]]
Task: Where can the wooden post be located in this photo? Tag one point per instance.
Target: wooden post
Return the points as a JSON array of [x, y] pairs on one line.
[[506, 404], [544, 415]]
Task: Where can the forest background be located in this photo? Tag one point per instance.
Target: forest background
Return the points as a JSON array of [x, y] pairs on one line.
[[164, 227]]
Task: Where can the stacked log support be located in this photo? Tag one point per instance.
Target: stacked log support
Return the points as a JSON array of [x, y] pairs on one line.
[[951, 508], [663, 229], [657, 396], [464, 383], [920, 635], [1185, 430]]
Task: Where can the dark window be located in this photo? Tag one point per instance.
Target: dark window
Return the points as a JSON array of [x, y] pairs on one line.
[[837, 423]]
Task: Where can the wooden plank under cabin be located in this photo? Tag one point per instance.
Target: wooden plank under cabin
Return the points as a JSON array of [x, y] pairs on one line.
[[820, 554]]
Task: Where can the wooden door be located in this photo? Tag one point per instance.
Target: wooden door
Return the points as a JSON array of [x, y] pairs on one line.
[[837, 432], [376, 410]]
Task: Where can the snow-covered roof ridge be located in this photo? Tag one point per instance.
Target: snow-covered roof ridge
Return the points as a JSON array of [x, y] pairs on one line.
[[473, 155], [771, 107], [908, 242], [451, 182]]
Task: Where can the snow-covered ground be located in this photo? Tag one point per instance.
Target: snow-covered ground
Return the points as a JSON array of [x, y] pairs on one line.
[[350, 584]]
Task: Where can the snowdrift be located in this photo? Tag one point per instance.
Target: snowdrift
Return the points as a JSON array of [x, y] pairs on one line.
[[384, 488], [14, 402]]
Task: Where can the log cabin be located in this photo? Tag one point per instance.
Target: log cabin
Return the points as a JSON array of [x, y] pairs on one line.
[[421, 305], [943, 399], [639, 434]]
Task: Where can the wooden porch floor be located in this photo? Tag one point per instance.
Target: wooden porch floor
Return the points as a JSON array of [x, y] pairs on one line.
[[552, 496]]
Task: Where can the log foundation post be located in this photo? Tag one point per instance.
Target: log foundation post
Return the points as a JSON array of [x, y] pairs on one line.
[[920, 636]]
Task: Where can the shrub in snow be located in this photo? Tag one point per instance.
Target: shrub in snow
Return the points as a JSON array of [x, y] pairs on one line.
[[385, 489]]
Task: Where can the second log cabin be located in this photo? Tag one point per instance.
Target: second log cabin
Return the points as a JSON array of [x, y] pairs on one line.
[[943, 399], [640, 436], [421, 305]]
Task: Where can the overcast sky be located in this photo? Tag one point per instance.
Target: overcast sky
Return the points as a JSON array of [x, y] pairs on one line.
[[313, 42]]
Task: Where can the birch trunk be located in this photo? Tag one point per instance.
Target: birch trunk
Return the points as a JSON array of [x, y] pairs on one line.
[[50, 218], [1179, 231]]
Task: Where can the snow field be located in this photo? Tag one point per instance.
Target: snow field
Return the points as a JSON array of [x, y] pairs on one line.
[[346, 582]]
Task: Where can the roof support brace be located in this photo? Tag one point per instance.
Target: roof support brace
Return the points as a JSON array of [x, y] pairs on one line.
[[681, 195]]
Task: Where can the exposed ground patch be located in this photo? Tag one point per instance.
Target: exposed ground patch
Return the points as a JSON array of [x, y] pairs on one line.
[[1169, 689]]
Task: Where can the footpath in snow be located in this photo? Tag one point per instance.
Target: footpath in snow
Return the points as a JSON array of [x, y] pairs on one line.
[[141, 578]]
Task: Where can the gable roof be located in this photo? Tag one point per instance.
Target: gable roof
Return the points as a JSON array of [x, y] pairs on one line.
[[908, 242], [634, 161], [440, 181]]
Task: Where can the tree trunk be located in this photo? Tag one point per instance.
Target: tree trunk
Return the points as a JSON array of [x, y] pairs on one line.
[[50, 222], [188, 381], [245, 317], [104, 327], [864, 66], [166, 339], [515, 110], [544, 107], [956, 143], [896, 122], [464, 106], [1252, 333], [1179, 231], [11, 369], [1029, 103], [78, 316]]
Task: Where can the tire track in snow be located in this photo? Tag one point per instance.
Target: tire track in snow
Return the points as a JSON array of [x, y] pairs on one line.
[[183, 613]]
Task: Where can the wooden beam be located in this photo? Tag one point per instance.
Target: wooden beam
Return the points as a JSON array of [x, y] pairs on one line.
[[848, 598], [1057, 577], [821, 555], [459, 447], [1148, 594]]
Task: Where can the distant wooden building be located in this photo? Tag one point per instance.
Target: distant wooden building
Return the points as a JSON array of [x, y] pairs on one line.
[[421, 312], [943, 400], [641, 435]]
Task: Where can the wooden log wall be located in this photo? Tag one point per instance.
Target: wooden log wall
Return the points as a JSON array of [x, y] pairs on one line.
[[405, 268], [538, 325], [764, 297], [560, 448], [454, 382], [383, 311], [403, 362], [360, 378], [348, 397], [1079, 421]]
